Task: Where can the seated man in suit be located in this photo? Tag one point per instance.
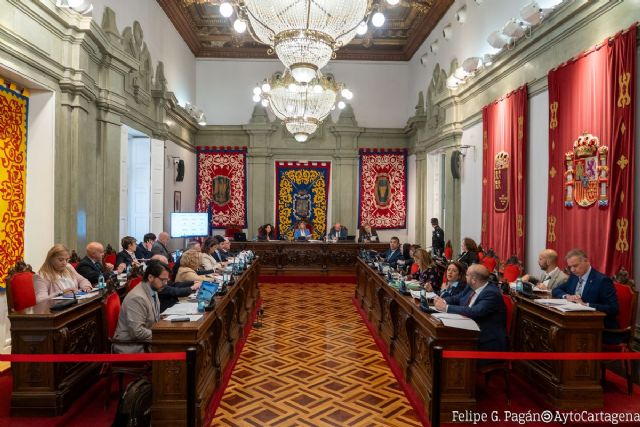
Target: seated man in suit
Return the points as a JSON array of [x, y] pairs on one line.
[[160, 246], [589, 287], [552, 276], [140, 310], [338, 232], [220, 254], [393, 254], [90, 267], [128, 253], [143, 250], [483, 303]]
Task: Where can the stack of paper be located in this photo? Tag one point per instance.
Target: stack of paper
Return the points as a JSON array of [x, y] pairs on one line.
[[563, 304], [457, 321], [183, 308]]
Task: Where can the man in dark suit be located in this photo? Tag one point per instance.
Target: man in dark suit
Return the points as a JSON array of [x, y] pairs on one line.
[[143, 250], [90, 267], [393, 254], [160, 246], [483, 303], [338, 232], [589, 287], [221, 254], [437, 238]]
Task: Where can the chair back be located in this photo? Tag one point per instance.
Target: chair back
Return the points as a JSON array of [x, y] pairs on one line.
[[20, 291], [110, 259], [511, 272], [627, 305], [489, 262], [133, 283], [508, 303], [111, 313]]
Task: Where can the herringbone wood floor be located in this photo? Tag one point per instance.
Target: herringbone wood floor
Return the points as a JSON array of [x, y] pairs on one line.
[[313, 363]]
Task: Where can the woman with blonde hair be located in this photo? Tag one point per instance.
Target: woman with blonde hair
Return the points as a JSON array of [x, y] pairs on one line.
[[428, 274], [190, 263], [57, 276]]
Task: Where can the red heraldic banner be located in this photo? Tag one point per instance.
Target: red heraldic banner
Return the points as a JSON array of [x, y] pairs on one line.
[[383, 188], [591, 151], [222, 185], [504, 174]]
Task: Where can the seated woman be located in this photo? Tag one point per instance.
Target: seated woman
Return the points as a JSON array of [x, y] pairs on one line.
[[189, 264], [56, 275], [428, 274], [414, 266], [128, 253], [267, 232], [208, 264], [469, 254], [456, 280], [302, 233], [367, 234]]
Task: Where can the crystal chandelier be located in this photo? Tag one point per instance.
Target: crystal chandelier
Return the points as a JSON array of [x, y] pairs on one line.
[[305, 34], [301, 106]]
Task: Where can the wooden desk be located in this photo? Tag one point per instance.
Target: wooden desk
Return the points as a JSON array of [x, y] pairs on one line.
[[215, 337], [410, 335], [566, 384], [280, 257], [48, 389]]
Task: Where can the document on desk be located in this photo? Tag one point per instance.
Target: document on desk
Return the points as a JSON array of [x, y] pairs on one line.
[[453, 320], [81, 295], [428, 295], [551, 301], [572, 306], [192, 317], [182, 308]]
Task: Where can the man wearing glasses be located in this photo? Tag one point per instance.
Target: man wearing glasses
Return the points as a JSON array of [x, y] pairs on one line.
[[140, 310]]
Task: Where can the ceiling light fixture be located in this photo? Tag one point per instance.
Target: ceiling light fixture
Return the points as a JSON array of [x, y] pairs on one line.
[[302, 106], [497, 40], [305, 34]]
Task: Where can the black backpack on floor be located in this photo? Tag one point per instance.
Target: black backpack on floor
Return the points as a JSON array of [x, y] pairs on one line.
[[134, 407]]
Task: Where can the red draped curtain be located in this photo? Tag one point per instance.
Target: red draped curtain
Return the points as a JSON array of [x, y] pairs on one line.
[[504, 174], [591, 152]]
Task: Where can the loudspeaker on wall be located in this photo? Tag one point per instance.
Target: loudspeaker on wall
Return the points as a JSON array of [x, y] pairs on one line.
[[180, 170]]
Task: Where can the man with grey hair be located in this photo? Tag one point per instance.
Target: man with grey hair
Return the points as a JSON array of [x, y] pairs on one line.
[[160, 246], [587, 286], [552, 276], [91, 268]]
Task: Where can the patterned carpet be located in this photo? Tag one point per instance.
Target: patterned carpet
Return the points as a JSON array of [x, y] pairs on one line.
[[313, 363]]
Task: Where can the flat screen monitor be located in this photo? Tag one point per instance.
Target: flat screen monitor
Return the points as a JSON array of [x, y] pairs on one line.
[[189, 224]]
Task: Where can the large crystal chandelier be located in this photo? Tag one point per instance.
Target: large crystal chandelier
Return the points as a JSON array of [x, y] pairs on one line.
[[303, 33], [301, 106]]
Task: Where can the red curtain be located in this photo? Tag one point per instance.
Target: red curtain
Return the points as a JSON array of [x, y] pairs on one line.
[[591, 152], [504, 174]]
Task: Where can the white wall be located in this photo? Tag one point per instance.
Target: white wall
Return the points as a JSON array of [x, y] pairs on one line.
[[411, 198], [471, 185], [38, 236], [469, 39], [380, 89], [537, 179], [163, 40], [187, 187]]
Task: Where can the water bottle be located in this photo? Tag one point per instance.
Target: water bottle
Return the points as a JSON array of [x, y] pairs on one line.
[[101, 282], [519, 285], [201, 305], [128, 270], [423, 298]]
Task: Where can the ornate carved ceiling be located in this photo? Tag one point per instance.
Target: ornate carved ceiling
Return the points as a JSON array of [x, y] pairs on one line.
[[210, 35]]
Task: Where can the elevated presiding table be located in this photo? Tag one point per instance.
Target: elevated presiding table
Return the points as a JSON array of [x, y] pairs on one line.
[[410, 335], [280, 257]]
